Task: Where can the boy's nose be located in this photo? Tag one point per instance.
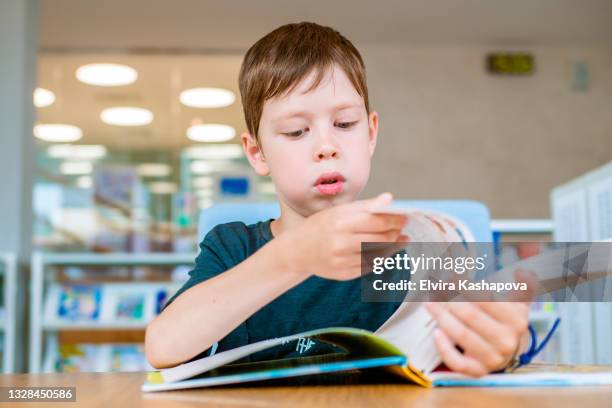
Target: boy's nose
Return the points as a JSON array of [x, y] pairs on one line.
[[326, 151]]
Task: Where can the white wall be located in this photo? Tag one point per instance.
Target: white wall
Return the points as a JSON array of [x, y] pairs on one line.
[[450, 130]]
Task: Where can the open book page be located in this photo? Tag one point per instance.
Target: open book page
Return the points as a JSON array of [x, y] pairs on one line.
[[360, 344], [196, 367], [568, 265], [429, 225], [410, 329], [528, 378]]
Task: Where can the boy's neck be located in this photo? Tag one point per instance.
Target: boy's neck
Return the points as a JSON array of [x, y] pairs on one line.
[[288, 219]]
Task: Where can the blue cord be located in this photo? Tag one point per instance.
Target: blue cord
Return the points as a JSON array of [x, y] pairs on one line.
[[534, 349]]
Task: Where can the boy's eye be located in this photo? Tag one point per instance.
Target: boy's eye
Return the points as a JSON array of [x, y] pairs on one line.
[[300, 132], [345, 125], [295, 133]]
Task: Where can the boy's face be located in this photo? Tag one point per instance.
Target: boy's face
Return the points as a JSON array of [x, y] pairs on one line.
[[316, 146]]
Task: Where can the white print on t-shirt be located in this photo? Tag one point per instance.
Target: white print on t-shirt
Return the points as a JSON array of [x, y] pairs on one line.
[[303, 344]]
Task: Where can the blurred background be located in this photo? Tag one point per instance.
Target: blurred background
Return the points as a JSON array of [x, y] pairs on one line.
[[121, 122]]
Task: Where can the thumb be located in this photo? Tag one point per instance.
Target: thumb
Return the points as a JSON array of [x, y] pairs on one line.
[[531, 281], [376, 203]]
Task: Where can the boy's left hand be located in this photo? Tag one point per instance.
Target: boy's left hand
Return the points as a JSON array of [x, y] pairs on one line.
[[489, 333]]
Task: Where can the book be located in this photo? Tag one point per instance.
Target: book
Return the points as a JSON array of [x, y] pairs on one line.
[[130, 306], [364, 350], [388, 347], [77, 358], [88, 357], [80, 302], [403, 347]]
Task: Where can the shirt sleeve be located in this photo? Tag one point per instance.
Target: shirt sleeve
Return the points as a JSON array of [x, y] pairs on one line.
[[215, 257]]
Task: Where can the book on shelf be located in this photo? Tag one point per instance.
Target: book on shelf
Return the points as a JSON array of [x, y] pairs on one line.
[[84, 357], [105, 303], [79, 302]]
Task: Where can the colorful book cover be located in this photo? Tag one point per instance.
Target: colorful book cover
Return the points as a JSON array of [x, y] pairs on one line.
[[160, 300], [130, 306], [77, 358], [80, 302]]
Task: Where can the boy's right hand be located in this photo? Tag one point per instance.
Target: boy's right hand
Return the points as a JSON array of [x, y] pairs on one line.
[[328, 243]]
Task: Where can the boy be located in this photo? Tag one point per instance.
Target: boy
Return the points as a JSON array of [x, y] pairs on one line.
[[310, 128]]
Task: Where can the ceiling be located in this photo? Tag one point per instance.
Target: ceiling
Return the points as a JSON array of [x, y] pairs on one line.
[[234, 24], [180, 44], [160, 81]]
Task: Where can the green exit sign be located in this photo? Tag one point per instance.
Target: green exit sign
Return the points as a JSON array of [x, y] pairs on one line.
[[510, 63]]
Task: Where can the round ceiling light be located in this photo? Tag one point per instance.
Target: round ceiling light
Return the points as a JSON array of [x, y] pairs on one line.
[[43, 98], [58, 132], [126, 116], [211, 132], [106, 74], [207, 97]]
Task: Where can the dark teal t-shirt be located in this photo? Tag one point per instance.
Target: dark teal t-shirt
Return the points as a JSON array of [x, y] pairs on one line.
[[315, 303]]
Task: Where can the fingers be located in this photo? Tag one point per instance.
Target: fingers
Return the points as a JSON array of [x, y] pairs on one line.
[[502, 339], [515, 315], [368, 222], [530, 279], [380, 201], [463, 335], [385, 236], [488, 332], [454, 359]]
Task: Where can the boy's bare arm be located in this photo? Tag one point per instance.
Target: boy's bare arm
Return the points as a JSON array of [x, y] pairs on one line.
[[209, 311], [327, 244]]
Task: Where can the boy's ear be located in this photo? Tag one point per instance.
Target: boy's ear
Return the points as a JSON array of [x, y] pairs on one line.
[[254, 154], [372, 131]]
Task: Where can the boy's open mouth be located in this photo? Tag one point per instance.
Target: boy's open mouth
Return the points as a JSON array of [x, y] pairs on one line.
[[330, 183]]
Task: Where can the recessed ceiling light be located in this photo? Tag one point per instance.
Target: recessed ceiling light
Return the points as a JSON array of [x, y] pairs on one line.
[[106, 74], [207, 97], [43, 98], [211, 132], [126, 116], [57, 132], [154, 169], [220, 151], [162, 187], [76, 167], [67, 151]]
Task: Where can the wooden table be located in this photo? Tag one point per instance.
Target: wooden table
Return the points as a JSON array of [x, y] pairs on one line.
[[123, 390]]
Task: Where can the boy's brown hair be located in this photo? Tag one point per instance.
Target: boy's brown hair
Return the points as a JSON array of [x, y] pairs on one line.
[[277, 63]]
